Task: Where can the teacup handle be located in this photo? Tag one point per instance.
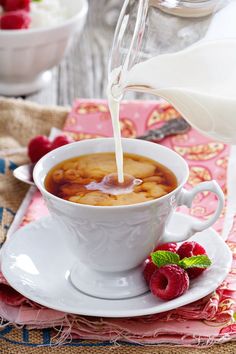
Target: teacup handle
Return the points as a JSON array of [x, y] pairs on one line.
[[186, 198]]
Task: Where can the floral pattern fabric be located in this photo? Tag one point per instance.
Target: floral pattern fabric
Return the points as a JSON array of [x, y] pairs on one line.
[[206, 321]]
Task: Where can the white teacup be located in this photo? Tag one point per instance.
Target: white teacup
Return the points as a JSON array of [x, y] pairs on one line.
[[115, 240]]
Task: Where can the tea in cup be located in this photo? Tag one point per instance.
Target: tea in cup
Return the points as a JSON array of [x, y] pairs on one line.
[[92, 179]]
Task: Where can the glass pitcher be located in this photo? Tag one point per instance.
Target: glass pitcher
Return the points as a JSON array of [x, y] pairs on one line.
[[183, 51]]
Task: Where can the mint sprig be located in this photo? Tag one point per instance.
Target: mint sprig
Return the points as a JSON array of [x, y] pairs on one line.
[[162, 258], [202, 261]]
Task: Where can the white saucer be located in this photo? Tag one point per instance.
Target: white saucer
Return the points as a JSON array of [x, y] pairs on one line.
[[37, 259]]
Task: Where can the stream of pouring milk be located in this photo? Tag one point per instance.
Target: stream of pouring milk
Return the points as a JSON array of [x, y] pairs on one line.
[[200, 82], [114, 106]]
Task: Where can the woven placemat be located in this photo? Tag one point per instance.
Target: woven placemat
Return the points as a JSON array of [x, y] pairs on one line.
[[19, 121], [102, 348]]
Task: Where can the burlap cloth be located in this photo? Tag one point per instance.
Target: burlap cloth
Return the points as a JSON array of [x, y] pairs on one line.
[[19, 121]]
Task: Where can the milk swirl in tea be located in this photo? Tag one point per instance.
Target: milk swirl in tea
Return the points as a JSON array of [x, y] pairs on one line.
[[92, 179]]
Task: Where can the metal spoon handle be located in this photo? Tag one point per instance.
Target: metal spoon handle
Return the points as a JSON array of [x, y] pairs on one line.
[[171, 127]]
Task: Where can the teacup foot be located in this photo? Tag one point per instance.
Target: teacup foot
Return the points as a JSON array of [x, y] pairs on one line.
[[108, 285]]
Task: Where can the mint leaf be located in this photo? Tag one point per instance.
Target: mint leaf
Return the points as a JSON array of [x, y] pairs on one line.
[[195, 261], [234, 316], [161, 258]]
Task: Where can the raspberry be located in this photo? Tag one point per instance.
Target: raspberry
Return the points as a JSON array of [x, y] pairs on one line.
[[15, 20], [61, 140], [149, 269], [149, 266], [189, 249], [171, 247], [38, 147], [169, 282], [14, 5]]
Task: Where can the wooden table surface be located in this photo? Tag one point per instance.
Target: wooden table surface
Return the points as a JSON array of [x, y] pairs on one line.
[[83, 72]]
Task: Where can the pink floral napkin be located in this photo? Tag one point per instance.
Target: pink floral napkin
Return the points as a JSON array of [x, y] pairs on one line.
[[209, 320]]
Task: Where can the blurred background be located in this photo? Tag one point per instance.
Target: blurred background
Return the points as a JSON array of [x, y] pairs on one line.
[[83, 72]]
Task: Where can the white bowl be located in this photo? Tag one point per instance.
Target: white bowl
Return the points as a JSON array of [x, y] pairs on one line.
[[26, 56]]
